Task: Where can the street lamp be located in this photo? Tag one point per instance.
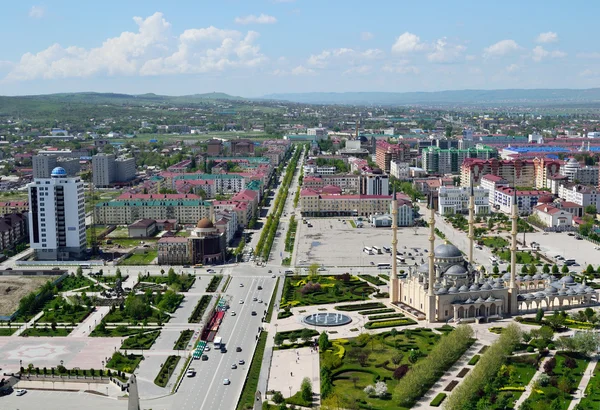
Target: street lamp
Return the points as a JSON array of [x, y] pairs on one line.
[[290, 387]]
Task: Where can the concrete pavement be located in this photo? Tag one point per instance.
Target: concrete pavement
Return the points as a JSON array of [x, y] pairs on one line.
[[290, 367], [89, 324], [587, 375], [27, 325]]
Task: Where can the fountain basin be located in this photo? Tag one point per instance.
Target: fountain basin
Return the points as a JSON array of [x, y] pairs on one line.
[[327, 319]]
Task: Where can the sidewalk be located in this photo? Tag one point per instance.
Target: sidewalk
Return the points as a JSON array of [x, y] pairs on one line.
[[450, 375], [89, 324], [537, 374], [587, 375], [27, 325], [291, 366]]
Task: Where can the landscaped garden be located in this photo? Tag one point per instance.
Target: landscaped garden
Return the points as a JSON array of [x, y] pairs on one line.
[[8, 331], [72, 282], [61, 311], [317, 290], [143, 258], [138, 308], [47, 331], [178, 283], [117, 331], [141, 340], [494, 242], [166, 371], [124, 363], [389, 370], [184, 339], [373, 279], [591, 400]]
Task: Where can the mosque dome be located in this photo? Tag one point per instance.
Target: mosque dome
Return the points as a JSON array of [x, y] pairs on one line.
[[453, 290], [550, 289], [498, 285], [424, 268], [58, 172], [463, 288], [571, 292], [456, 270], [567, 279], [527, 277], [447, 251], [442, 291], [506, 276], [205, 223], [486, 286], [537, 276], [474, 287]]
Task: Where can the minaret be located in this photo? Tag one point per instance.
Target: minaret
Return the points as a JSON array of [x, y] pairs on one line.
[[394, 290], [513, 290], [471, 224], [430, 294]]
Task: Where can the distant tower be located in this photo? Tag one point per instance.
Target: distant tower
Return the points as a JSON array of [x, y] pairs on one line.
[[471, 223], [394, 296], [430, 294], [357, 127], [513, 290]]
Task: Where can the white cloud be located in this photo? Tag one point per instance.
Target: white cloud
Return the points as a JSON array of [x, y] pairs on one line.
[[539, 53], [363, 69], [301, 70], [366, 36], [151, 50], [400, 68], [548, 37], [407, 43], [345, 55], [470, 57], [37, 12], [252, 19], [501, 48], [444, 52], [512, 68], [589, 73]]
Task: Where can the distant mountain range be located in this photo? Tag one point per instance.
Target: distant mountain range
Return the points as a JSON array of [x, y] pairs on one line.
[[515, 96]]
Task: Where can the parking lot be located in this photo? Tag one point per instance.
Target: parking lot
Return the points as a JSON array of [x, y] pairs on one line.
[[569, 247], [331, 242]]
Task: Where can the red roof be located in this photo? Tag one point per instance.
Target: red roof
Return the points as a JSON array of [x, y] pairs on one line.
[[173, 239], [493, 178]]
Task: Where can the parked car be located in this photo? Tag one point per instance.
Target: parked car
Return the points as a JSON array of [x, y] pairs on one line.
[[21, 392], [204, 357], [226, 381], [238, 349]]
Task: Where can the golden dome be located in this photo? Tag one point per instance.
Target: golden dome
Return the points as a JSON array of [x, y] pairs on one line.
[[205, 223]]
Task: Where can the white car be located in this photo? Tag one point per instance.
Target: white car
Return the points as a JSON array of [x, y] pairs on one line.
[[234, 366], [226, 381], [241, 301], [191, 372], [206, 349], [233, 313], [260, 301], [254, 299], [273, 275], [21, 392], [241, 285]]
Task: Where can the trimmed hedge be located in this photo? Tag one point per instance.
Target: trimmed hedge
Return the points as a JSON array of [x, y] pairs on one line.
[[373, 279], [376, 311], [389, 323], [474, 360], [390, 316], [361, 306], [437, 400]]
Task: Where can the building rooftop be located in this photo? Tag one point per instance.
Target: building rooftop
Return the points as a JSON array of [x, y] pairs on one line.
[[142, 223]]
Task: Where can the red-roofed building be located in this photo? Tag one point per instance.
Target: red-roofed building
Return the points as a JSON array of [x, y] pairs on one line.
[[135, 197], [552, 216], [315, 204], [526, 200], [386, 152]]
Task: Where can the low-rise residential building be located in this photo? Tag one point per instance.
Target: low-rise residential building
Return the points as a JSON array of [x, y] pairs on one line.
[[13, 206], [314, 204], [223, 183], [400, 170], [526, 200], [433, 184], [455, 200], [173, 250], [144, 228], [552, 216], [583, 195], [124, 212], [586, 175], [13, 230], [243, 210]]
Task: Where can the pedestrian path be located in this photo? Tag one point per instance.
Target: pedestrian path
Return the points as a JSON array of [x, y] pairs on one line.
[[27, 325], [529, 387], [587, 375], [89, 324], [449, 376]]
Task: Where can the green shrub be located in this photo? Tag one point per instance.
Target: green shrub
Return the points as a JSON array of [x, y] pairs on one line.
[[389, 323], [474, 360]]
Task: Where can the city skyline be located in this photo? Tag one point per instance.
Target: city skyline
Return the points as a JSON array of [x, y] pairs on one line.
[[281, 46]]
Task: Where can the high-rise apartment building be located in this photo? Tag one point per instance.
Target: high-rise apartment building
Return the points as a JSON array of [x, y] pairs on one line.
[[43, 164], [386, 152], [375, 183], [106, 169], [57, 216]]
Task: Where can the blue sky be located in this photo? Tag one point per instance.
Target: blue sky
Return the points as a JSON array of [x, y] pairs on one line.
[[256, 47]]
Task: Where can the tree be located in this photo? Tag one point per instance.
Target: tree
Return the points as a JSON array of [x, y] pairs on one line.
[[277, 397], [546, 269], [549, 366], [118, 273], [589, 270], [369, 390], [414, 355], [53, 325], [394, 334], [79, 272], [279, 338], [532, 269], [306, 390], [306, 334], [400, 372], [524, 270], [323, 342], [539, 315], [565, 269], [381, 389], [496, 270], [397, 358], [362, 358], [590, 209], [293, 337], [313, 270], [171, 277], [554, 269]]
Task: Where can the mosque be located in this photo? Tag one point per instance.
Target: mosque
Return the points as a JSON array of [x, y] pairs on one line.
[[450, 288]]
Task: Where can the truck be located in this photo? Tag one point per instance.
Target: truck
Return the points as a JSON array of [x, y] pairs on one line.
[[218, 342]]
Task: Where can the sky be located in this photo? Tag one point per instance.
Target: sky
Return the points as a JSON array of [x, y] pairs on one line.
[[252, 48]]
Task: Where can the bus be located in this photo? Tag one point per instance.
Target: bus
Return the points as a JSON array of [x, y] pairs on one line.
[[367, 249], [493, 260], [218, 342], [384, 266], [400, 259], [377, 250], [85, 266], [387, 249]]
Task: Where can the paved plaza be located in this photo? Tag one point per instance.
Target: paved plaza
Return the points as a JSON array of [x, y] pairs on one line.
[[290, 367]]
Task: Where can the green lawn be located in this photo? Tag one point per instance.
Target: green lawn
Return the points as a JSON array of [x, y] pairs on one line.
[[351, 377], [119, 331], [550, 393], [591, 401], [522, 257], [72, 282], [145, 258], [8, 331], [46, 331], [140, 341], [494, 242], [123, 363], [302, 291], [65, 314], [121, 316]]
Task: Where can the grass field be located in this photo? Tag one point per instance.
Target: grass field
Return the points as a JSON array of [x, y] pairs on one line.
[[591, 401], [6, 331], [141, 340], [145, 258], [46, 331], [123, 363], [119, 331], [302, 291]]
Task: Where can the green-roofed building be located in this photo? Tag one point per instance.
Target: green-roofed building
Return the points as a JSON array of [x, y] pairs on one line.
[[448, 161], [186, 211]]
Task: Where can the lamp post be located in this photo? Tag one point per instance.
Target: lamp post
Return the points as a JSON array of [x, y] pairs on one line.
[[290, 387]]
